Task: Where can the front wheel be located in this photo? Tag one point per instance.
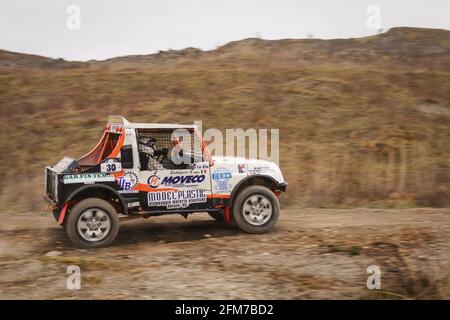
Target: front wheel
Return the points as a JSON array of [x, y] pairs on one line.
[[256, 209], [92, 223]]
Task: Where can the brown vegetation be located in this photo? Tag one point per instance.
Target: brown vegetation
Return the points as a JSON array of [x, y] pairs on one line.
[[362, 121]]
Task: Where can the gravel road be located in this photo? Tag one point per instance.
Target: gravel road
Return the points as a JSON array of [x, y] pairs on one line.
[[310, 254]]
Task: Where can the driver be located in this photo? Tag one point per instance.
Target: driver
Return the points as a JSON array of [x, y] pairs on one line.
[[157, 159], [148, 147], [149, 155]]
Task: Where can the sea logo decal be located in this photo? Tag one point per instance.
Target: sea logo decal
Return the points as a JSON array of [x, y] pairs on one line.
[[222, 176], [128, 181], [153, 181]]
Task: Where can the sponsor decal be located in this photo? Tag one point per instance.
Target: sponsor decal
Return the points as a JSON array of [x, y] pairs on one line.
[[242, 168], [176, 178], [111, 165], [201, 167], [222, 177], [128, 181], [182, 172], [87, 178], [176, 199], [178, 181], [260, 170], [133, 204], [153, 181]]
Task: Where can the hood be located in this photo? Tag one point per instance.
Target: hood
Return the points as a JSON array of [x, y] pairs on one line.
[[239, 165], [65, 165], [241, 160]]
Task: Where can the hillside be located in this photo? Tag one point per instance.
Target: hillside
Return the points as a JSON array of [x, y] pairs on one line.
[[363, 122]]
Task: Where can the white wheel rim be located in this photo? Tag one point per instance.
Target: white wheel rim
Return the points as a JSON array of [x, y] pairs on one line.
[[257, 210], [94, 225]]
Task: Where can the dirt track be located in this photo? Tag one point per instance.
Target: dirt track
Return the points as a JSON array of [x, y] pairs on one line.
[[311, 253]]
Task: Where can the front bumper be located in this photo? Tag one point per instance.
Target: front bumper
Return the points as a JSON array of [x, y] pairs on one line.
[[50, 200], [283, 186]]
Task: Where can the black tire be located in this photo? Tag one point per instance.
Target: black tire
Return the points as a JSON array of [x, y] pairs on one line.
[[55, 213], [218, 216], [92, 205], [261, 193]]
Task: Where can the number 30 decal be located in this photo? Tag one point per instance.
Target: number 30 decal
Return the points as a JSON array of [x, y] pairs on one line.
[[111, 166]]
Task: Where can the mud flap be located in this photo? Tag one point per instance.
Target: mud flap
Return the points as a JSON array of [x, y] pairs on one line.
[[226, 214], [62, 214]]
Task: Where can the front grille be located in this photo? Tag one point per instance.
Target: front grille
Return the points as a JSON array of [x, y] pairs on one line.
[[51, 183]]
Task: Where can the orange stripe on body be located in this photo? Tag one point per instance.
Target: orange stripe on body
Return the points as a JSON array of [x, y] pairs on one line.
[[118, 174], [219, 196], [146, 188]]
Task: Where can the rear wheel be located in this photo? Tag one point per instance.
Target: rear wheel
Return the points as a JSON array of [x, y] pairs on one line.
[[256, 209], [92, 223]]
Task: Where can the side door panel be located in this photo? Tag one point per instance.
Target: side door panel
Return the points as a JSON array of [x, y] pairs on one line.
[[172, 189]]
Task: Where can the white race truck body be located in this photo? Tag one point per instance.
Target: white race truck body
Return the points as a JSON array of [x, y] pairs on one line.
[[133, 169]]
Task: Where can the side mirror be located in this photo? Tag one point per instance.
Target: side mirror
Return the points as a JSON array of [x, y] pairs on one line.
[[126, 154]]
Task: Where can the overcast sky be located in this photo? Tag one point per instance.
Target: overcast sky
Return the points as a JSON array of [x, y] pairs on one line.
[[110, 28]]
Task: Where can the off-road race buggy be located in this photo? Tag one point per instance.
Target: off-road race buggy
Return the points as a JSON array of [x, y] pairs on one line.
[[144, 170]]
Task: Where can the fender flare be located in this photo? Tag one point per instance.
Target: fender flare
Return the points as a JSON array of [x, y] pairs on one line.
[[99, 186], [263, 176]]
